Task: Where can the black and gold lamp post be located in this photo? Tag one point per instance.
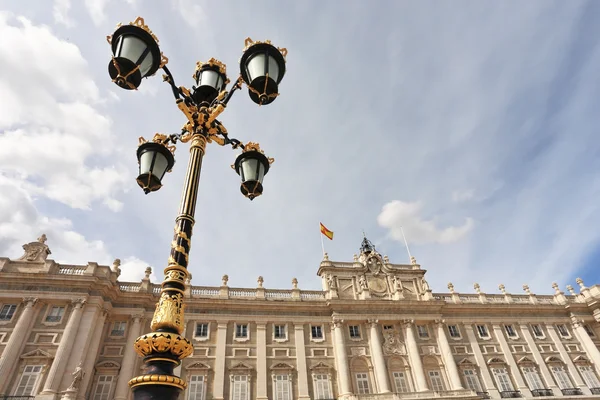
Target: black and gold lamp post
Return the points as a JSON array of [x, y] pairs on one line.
[[136, 55]]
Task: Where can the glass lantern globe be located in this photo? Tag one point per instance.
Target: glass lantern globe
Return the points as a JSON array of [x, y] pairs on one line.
[[135, 56], [251, 166], [262, 67], [211, 79], [155, 160]]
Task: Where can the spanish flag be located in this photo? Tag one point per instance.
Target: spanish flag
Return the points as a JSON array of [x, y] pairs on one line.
[[326, 231]]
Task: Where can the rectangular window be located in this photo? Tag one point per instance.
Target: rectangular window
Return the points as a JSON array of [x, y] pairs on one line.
[[196, 387], [510, 331], [279, 332], [241, 331], [533, 378], [103, 387], [471, 380], [422, 331], [362, 383], [537, 330], [502, 379], [316, 332], [562, 330], [321, 382], [561, 377], [589, 330], [282, 388], [26, 385], [400, 382], [7, 312], [589, 376], [354, 331], [118, 328], [482, 331], [240, 388], [201, 330], [437, 384], [55, 314], [453, 330], [388, 327]]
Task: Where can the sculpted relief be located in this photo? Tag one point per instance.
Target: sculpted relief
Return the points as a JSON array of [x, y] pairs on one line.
[[393, 343]]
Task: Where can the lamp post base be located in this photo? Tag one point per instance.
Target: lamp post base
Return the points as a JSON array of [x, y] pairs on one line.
[[158, 383]]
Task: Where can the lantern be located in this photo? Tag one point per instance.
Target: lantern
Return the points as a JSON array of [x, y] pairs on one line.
[[262, 67], [211, 79], [252, 166], [155, 160]]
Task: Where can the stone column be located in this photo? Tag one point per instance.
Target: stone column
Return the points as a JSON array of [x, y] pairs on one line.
[[63, 352], [588, 345], [261, 361], [341, 359], [537, 356], [219, 382], [567, 360], [415, 357], [488, 382], [378, 361], [510, 360], [90, 358], [301, 362], [447, 356], [127, 370], [12, 351]]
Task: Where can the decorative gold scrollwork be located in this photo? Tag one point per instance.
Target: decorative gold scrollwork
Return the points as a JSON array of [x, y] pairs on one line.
[[169, 312], [158, 380], [163, 342]]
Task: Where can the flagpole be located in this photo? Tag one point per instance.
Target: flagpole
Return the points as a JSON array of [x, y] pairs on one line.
[[406, 244], [322, 244]]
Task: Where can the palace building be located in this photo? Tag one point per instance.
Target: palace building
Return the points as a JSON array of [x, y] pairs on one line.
[[375, 331]]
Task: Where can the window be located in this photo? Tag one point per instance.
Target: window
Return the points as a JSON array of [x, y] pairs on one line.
[[589, 376], [453, 330], [562, 330], [201, 330], [400, 382], [7, 312], [437, 384], [482, 331], [422, 331], [282, 387], [322, 387], [561, 376], [510, 331], [587, 328], [118, 328], [241, 331], [533, 378], [316, 332], [388, 327], [28, 381], [354, 331], [362, 383], [239, 390], [537, 330], [196, 387], [55, 315], [502, 379], [279, 332], [103, 387], [471, 380]]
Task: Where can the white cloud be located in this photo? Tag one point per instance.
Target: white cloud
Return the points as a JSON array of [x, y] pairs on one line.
[[133, 270], [96, 9], [191, 12], [60, 11], [397, 214], [463, 195]]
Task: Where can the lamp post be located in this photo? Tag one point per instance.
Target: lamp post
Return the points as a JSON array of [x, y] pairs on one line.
[[136, 55]]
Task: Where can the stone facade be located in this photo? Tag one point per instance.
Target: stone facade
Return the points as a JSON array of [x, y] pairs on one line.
[[375, 331]]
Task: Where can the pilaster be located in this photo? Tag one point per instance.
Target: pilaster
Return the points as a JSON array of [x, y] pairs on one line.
[[219, 382], [415, 357], [92, 353], [128, 365], [447, 356], [378, 360], [341, 359], [567, 360], [510, 360], [301, 362], [488, 381], [261, 361], [537, 356]]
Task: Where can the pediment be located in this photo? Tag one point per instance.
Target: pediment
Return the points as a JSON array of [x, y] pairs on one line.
[[525, 360], [108, 365], [495, 360], [553, 359], [465, 362], [241, 367], [321, 365], [282, 366], [581, 359], [198, 365], [37, 353]]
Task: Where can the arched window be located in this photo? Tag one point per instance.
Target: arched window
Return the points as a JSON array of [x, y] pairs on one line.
[[399, 373], [361, 371], [434, 370]]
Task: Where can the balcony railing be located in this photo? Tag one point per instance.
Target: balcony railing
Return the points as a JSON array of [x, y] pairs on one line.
[[509, 394], [17, 397], [483, 395], [117, 332], [53, 318], [595, 390], [571, 392], [542, 392]]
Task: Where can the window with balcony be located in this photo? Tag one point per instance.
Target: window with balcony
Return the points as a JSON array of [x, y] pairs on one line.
[[279, 332], [196, 387], [510, 331], [354, 331], [55, 314], [590, 377], [28, 381], [482, 331], [503, 380], [316, 332], [537, 331], [7, 311], [423, 332], [282, 387], [322, 387], [103, 387], [472, 380], [533, 378], [118, 328], [400, 382], [201, 331], [454, 331], [561, 377], [437, 383], [362, 383]]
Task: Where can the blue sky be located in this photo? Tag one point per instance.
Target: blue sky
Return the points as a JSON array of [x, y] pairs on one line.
[[471, 124]]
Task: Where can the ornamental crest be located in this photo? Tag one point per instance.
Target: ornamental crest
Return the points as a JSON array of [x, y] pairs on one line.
[[169, 312], [393, 344]]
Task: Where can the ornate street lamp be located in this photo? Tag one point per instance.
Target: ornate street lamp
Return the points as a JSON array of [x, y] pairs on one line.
[[136, 55]]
